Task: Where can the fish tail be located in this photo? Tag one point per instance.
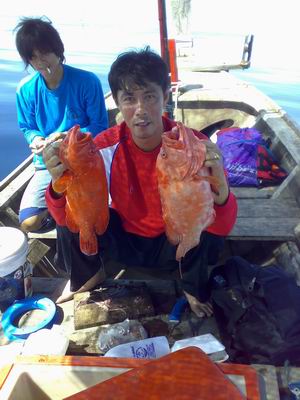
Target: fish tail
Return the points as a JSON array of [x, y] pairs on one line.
[[180, 252], [88, 246]]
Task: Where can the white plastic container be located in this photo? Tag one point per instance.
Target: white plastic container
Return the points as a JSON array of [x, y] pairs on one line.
[[207, 343], [48, 342], [15, 271]]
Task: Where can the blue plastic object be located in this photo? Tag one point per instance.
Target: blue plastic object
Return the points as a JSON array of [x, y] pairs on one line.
[[175, 315], [20, 307]]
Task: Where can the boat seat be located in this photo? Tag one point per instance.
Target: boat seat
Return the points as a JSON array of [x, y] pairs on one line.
[[261, 217]]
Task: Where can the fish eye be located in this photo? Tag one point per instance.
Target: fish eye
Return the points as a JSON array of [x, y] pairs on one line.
[[164, 154]]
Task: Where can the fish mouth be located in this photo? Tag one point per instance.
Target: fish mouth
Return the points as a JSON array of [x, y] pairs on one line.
[[76, 136], [81, 137], [172, 139]]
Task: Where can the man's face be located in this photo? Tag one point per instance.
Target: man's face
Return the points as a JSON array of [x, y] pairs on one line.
[[45, 63], [142, 109]]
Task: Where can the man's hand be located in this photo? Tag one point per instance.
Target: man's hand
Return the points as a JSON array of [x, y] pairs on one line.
[[37, 145], [51, 156], [200, 309], [214, 161]]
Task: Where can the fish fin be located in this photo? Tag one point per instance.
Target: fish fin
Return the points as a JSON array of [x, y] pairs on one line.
[[71, 224], [181, 251], [185, 246], [171, 234], [89, 245], [101, 225], [61, 184]]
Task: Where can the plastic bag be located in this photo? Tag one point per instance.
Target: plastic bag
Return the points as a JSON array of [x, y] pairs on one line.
[[122, 332], [150, 348], [207, 343], [239, 150]]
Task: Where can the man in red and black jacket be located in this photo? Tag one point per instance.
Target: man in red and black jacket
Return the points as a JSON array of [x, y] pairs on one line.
[[136, 233]]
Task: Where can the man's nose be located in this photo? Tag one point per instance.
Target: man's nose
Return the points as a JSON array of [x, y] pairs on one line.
[[140, 106]]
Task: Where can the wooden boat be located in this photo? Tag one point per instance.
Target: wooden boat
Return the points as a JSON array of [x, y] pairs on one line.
[[268, 218]]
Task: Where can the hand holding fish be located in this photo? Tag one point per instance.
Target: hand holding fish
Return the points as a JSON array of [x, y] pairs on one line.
[[214, 161], [213, 157], [184, 184], [51, 156], [84, 185], [37, 145], [200, 309]]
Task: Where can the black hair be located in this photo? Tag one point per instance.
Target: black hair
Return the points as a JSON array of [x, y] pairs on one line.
[[37, 34], [138, 67]]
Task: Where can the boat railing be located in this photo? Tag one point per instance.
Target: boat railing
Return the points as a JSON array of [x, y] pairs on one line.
[[15, 182]]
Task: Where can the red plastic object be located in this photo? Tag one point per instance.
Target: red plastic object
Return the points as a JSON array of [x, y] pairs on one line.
[[184, 375]]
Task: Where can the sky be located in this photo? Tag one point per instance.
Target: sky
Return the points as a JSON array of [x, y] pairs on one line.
[[115, 25]]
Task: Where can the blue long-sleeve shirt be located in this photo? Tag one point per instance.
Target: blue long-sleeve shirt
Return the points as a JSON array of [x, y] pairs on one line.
[[77, 100]]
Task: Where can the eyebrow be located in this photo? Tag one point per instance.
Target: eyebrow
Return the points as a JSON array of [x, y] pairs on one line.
[[131, 93]]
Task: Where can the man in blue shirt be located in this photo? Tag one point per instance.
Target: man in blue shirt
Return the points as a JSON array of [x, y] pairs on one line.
[[52, 100]]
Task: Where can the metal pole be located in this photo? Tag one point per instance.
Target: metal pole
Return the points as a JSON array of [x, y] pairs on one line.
[[162, 16]]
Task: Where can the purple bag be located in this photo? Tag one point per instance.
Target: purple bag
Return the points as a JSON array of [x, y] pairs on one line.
[[239, 150]]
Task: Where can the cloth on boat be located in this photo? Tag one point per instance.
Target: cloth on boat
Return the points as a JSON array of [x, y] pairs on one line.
[[257, 310], [133, 250], [248, 159]]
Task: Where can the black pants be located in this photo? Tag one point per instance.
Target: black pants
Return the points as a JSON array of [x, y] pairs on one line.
[[133, 250]]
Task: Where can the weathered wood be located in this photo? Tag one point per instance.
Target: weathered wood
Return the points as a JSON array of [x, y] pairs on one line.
[[16, 172], [285, 134], [37, 250], [269, 384], [9, 217], [260, 228], [112, 303], [297, 234], [288, 185], [266, 219], [253, 192], [288, 257], [275, 208], [11, 191]]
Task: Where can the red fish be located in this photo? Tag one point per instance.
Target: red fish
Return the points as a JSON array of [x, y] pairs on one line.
[[85, 186], [185, 188]]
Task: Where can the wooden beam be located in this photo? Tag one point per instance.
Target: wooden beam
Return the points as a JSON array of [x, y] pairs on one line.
[[15, 186]]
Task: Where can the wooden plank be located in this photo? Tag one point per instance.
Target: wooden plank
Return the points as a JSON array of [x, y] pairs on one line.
[[111, 304], [285, 134], [272, 208], [266, 219], [37, 250], [278, 229], [10, 192], [253, 192], [290, 185], [16, 172]]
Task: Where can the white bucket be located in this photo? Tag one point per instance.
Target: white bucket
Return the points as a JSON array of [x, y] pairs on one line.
[[15, 270]]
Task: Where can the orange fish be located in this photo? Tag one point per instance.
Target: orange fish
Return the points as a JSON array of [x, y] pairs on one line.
[[85, 186], [184, 187]]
